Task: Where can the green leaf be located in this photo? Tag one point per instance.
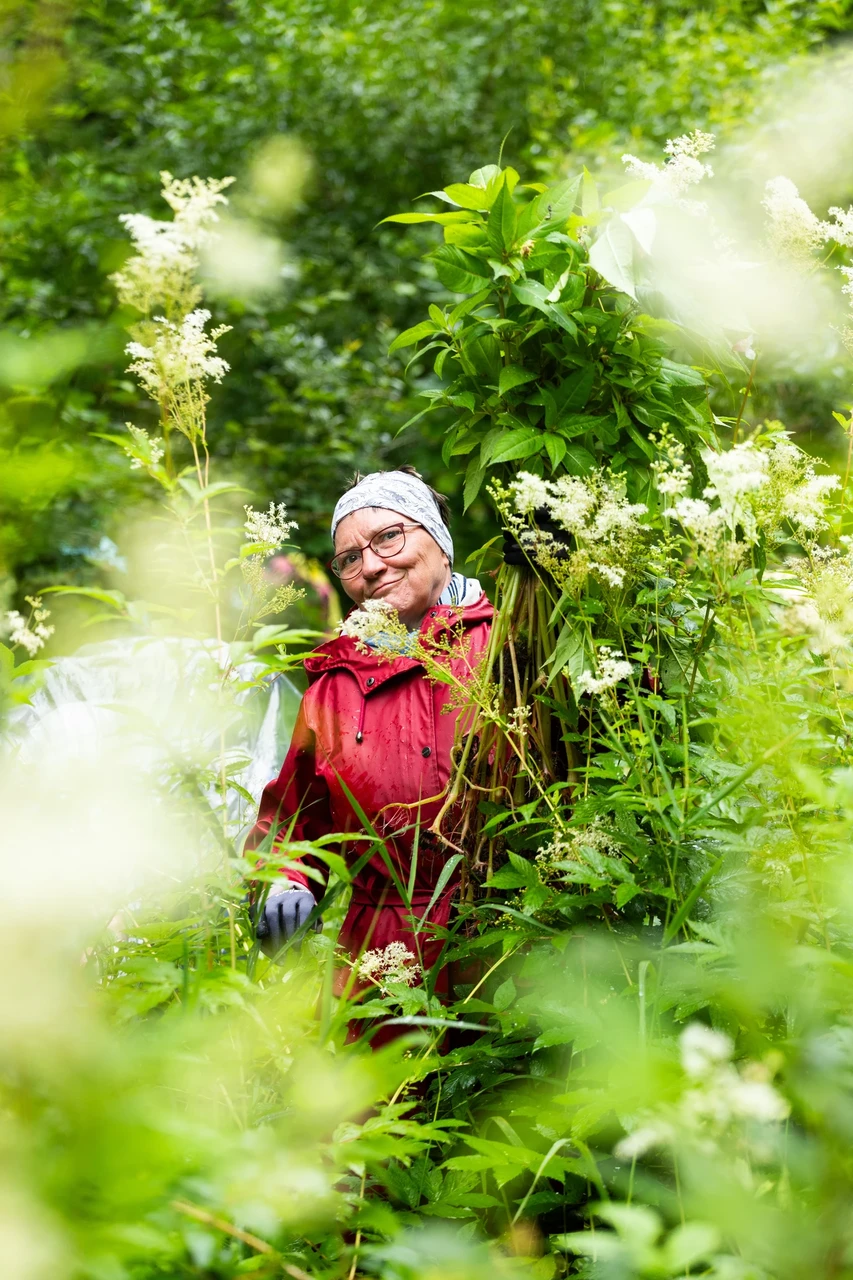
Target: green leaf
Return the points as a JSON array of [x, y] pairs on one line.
[[514, 376], [612, 256], [459, 271], [474, 477], [443, 219], [502, 221], [532, 294], [504, 995], [570, 652], [518, 442], [556, 449], [468, 196], [550, 211], [487, 174], [409, 337], [590, 204], [578, 461]]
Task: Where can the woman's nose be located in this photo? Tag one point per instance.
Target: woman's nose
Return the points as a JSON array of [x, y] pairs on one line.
[[371, 563]]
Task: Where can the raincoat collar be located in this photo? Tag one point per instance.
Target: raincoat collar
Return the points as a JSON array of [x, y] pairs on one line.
[[371, 671]]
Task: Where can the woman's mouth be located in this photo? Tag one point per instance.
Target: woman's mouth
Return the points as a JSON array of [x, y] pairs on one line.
[[384, 588]]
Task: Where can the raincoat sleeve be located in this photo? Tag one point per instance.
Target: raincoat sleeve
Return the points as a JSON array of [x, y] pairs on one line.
[[295, 805]]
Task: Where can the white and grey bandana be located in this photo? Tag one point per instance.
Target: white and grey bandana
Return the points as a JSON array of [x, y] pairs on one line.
[[397, 491]]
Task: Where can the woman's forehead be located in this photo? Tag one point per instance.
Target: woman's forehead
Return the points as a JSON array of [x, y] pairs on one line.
[[358, 526]]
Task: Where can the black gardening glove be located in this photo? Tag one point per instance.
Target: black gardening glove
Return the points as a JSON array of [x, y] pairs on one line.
[[285, 911], [512, 552]]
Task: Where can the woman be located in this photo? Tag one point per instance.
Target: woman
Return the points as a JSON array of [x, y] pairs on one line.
[[375, 726]]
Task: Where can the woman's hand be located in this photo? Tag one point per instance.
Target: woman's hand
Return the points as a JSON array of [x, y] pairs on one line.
[[285, 912]]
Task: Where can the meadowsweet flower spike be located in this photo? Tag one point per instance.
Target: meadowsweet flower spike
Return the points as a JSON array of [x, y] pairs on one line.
[[33, 634], [268, 528], [166, 259], [794, 231], [681, 171], [178, 354], [394, 963], [612, 668]]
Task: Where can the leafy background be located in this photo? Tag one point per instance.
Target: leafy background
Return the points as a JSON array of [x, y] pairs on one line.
[[384, 101]]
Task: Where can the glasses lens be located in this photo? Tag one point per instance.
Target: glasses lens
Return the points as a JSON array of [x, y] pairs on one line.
[[389, 541], [347, 565]]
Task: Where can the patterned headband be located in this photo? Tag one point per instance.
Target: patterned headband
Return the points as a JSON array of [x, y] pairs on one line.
[[397, 491]]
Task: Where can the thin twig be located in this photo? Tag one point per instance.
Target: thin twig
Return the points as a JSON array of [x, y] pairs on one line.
[[222, 1224]]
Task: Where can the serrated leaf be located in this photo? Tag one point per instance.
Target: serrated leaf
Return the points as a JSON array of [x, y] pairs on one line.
[[570, 652], [555, 447], [475, 474], [514, 376], [550, 210], [612, 256], [502, 221], [578, 460], [518, 442], [532, 294], [409, 337], [459, 271]]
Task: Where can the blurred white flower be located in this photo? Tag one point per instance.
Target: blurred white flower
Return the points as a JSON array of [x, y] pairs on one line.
[[841, 229], [703, 1049], [166, 255], [143, 450], [806, 505], [33, 634], [794, 231], [681, 171], [733, 474], [612, 668]]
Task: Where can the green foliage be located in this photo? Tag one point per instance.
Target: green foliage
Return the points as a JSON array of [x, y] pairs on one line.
[[384, 101]]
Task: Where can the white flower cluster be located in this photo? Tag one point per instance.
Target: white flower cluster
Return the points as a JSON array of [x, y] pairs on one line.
[[166, 255], [178, 354], [394, 963], [612, 668], [375, 624], [755, 489], [268, 528], [682, 170], [821, 607], [794, 231], [673, 476], [143, 450], [734, 475], [30, 634], [595, 511], [718, 1098], [573, 844]]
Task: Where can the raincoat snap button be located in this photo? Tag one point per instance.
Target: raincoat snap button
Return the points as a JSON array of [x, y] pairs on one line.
[[434, 613], [426, 751], [371, 680]]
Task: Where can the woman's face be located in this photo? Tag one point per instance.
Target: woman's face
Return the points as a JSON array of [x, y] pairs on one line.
[[410, 581]]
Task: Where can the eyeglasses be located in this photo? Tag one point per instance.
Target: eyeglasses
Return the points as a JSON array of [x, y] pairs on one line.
[[386, 543]]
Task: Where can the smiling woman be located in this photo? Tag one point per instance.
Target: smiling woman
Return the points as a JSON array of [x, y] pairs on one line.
[[372, 729]]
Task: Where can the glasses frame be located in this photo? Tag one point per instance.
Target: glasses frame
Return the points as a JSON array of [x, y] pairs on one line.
[[398, 524]]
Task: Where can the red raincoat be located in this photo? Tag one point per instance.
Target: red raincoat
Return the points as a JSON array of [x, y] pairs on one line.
[[387, 731]]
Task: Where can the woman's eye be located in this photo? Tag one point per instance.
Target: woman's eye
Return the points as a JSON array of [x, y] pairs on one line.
[[348, 560], [390, 535]]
